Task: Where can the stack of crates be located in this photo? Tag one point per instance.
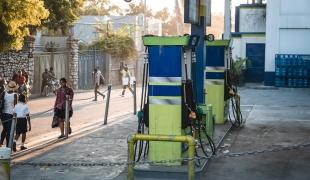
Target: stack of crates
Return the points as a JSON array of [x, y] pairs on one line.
[[292, 70]]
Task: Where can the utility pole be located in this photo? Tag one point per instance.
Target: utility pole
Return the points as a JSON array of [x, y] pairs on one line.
[[227, 20]]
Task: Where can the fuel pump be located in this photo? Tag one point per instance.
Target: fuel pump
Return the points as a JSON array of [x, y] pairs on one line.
[[221, 92], [168, 103]]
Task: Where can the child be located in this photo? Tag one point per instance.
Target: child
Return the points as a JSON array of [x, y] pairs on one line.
[[21, 111]]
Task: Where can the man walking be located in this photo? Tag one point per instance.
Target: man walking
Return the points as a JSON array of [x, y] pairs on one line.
[[126, 76], [45, 78], [97, 78]]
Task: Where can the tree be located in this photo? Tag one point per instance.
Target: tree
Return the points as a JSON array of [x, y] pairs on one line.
[[118, 43], [162, 15], [15, 18], [136, 9], [62, 14], [99, 7]]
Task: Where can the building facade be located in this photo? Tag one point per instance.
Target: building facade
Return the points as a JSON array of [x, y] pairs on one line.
[[287, 32], [248, 40]]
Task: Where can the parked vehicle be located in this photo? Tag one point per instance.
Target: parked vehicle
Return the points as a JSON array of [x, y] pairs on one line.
[[51, 87]]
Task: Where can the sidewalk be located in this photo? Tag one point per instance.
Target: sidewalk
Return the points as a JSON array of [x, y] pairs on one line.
[[109, 143], [277, 118]]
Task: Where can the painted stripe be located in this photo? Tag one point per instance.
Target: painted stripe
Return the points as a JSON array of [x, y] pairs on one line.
[[211, 68], [165, 101], [165, 97], [215, 82], [165, 79], [165, 83]]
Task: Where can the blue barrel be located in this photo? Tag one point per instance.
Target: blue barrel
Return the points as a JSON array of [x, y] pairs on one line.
[[300, 83], [305, 73], [289, 72], [306, 83], [294, 82], [277, 60], [277, 71], [300, 72], [284, 72]]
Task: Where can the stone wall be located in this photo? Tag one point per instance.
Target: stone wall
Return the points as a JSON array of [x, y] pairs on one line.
[[14, 61], [73, 61]]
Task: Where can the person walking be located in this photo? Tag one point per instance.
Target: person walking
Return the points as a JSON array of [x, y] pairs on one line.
[[98, 77], [2, 92], [21, 111], [10, 100], [52, 75], [60, 105], [45, 78], [126, 76], [21, 82]]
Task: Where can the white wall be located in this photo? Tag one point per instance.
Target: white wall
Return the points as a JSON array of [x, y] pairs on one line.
[[287, 30], [239, 44], [252, 20]]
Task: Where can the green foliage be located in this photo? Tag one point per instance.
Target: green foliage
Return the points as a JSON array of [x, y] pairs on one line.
[[15, 18], [62, 14], [136, 9], [98, 7], [237, 69], [118, 44]]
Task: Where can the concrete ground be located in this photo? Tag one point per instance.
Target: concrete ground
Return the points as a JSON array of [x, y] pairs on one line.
[[275, 118]]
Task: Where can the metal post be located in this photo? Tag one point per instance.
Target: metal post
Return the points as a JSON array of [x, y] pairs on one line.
[[5, 157], [131, 157], [13, 125], [107, 105], [134, 97], [67, 116], [191, 163]]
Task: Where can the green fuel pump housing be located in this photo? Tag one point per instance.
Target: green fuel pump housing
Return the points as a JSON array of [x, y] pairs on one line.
[[217, 54], [165, 59]]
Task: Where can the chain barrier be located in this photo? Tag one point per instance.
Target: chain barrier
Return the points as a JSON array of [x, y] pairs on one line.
[[51, 109], [122, 163]]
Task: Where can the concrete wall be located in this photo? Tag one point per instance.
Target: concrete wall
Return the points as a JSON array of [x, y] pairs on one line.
[[252, 19], [239, 44], [287, 31]]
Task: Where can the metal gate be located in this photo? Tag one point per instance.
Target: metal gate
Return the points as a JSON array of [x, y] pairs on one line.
[[45, 60], [88, 60]]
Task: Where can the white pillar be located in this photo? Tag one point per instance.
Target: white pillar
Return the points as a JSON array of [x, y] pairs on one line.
[[227, 19]]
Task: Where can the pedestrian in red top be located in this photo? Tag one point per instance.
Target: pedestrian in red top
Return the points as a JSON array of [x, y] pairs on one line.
[[20, 79], [60, 106]]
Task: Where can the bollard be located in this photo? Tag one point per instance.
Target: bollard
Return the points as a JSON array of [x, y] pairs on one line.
[[5, 157], [12, 132], [67, 116], [107, 105], [134, 98]]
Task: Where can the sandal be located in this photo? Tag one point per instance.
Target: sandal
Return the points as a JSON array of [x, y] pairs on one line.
[[70, 130], [61, 136]]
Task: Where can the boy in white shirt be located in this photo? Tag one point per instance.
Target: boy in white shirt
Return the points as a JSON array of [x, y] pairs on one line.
[[21, 111]]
